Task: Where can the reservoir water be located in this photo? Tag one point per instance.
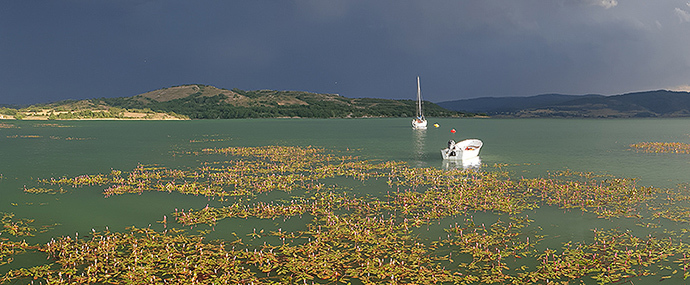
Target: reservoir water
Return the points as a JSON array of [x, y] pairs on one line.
[[33, 150]]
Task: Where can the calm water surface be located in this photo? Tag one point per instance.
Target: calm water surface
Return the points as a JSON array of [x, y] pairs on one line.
[[532, 147]]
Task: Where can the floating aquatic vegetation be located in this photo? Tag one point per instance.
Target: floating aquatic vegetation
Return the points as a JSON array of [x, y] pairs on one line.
[[7, 126], [661, 147], [140, 256], [265, 169], [52, 125], [272, 168], [39, 190], [82, 180], [490, 248], [340, 249], [380, 253], [210, 138], [24, 137], [78, 139], [16, 226], [10, 248], [675, 206], [611, 257], [366, 238], [70, 138], [608, 197]]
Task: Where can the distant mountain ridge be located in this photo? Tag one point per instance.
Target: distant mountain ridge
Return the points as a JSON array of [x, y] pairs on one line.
[[659, 103]]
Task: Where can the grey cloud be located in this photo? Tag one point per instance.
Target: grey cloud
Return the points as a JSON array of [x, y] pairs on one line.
[[683, 15], [460, 48], [604, 3]]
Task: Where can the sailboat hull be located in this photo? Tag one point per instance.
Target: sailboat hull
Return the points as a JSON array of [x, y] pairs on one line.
[[419, 124]]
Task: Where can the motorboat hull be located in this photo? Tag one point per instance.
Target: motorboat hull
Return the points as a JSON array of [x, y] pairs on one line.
[[463, 150], [463, 164]]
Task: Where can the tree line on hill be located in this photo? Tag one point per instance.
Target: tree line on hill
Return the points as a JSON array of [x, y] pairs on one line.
[[198, 101], [196, 106]]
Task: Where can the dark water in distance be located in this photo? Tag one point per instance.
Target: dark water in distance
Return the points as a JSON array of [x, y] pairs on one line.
[[532, 147]]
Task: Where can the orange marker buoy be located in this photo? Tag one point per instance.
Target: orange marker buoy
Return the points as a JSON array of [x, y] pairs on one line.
[[452, 131]]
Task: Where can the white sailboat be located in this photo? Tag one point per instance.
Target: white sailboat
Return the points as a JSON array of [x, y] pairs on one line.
[[466, 150], [419, 122]]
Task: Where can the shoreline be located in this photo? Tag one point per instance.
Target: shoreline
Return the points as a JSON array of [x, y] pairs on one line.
[[95, 119], [45, 116]]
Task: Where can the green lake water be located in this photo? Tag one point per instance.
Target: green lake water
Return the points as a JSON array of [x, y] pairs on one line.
[[33, 150]]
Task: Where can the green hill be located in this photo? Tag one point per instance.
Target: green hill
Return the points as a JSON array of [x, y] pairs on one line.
[[199, 101]]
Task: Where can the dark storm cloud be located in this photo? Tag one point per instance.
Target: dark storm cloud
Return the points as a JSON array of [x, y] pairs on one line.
[[52, 50]]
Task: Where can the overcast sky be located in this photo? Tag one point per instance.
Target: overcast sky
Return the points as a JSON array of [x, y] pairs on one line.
[[54, 50]]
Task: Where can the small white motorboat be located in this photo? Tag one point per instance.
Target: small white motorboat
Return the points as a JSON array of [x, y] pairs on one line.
[[463, 150]]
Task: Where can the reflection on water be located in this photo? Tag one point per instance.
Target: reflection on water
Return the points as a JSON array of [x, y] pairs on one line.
[[419, 146], [472, 163]]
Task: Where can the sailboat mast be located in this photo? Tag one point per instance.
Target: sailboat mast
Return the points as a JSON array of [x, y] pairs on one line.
[[419, 100]]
